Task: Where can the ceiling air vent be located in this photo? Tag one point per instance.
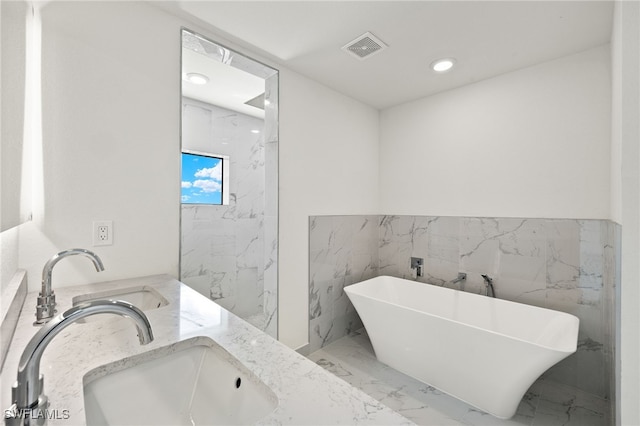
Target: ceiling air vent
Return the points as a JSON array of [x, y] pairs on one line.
[[364, 46]]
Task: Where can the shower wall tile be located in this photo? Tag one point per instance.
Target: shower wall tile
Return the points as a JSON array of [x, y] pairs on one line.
[[271, 138], [271, 179], [562, 264], [611, 299], [271, 107], [270, 276], [229, 253], [248, 291]]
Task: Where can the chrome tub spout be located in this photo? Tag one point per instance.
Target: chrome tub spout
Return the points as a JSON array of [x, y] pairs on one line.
[[461, 277]]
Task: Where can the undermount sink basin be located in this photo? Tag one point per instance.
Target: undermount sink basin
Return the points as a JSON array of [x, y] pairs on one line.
[[143, 297], [195, 382]]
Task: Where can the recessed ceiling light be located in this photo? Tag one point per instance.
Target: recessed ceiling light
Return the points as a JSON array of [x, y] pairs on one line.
[[196, 78], [443, 65], [255, 131]]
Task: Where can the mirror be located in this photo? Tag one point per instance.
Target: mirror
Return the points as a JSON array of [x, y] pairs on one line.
[[229, 201], [15, 188]]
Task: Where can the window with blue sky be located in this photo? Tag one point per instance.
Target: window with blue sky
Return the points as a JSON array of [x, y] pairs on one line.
[[201, 179]]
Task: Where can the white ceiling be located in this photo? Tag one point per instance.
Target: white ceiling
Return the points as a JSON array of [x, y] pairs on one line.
[[227, 87], [487, 38]]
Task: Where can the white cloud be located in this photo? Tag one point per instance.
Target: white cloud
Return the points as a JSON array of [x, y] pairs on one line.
[[208, 185], [185, 198], [214, 173], [186, 184]]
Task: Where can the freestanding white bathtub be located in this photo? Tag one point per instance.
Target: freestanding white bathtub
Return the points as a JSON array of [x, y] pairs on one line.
[[484, 351]]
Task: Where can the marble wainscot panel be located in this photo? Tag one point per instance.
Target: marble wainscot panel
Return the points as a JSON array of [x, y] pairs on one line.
[[229, 252], [343, 250], [306, 393], [563, 264]]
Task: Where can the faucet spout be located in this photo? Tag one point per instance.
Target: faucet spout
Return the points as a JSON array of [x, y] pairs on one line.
[[461, 277], [45, 309], [27, 391]]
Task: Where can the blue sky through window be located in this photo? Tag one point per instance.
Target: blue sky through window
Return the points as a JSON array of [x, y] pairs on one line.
[[201, 179]]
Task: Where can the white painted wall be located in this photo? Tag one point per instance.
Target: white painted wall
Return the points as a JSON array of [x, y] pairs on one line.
[[110, 120], [13, 30], [328, 165], [14, 177], [530, 143], [111, 123], [625, 190]]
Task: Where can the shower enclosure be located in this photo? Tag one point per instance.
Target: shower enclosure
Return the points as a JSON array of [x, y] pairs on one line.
[[229, 201]]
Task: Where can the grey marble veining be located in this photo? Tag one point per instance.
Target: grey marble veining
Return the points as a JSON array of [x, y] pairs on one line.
[[342, 251], [546, 403], [306, 393], [563, 264], [229, 253], [271, 138]]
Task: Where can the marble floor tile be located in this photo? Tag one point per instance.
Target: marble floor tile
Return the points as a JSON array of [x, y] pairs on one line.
[[546, 403]]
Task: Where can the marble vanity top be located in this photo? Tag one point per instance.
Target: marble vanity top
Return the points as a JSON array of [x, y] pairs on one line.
[[307, 394]]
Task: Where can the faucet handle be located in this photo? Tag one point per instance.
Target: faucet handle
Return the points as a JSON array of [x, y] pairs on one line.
[[416, 263], [45, 308]]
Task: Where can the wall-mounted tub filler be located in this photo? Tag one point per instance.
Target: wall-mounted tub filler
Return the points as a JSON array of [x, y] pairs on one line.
[[29, 400], [416, 263], [489, 290], [461, 277], [46, 307]]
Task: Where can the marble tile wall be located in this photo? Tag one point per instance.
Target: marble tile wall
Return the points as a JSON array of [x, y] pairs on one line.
[[229, 253], [563, 264], [271, 137], [342, 250]]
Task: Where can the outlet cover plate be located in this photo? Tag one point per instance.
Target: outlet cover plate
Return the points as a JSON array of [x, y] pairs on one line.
[[102, 232]]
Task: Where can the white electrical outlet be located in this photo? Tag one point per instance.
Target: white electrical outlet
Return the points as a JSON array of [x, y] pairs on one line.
[[102, 232]]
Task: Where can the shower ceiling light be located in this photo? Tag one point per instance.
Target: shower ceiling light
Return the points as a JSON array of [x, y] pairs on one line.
[[196, 78], [443, 65]]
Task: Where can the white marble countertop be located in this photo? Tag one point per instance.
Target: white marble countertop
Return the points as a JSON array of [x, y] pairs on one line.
[[307, 394]]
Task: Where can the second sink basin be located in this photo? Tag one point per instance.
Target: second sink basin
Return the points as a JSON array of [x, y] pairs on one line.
[[144, 297], [195, 382]]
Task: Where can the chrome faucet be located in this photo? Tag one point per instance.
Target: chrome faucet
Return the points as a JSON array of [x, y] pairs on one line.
[[27, 393], [461, 277], [46, 307], [488, 284]]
